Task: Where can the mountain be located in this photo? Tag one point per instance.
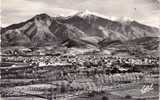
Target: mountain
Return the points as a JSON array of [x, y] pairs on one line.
[[141, 46], [40, 30], [81, 30], [116, 30]]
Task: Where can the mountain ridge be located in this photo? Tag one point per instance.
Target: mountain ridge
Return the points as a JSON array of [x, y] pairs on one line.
[[86, 30]]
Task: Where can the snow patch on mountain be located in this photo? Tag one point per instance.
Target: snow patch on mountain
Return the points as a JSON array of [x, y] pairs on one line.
[[86, 13]]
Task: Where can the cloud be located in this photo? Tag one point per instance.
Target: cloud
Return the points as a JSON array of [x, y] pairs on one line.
[[146, 11]]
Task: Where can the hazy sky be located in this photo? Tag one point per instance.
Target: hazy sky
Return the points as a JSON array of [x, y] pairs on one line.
[[144, 11]]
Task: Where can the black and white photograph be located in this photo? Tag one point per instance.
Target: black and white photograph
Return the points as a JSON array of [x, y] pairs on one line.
[[79, 49]]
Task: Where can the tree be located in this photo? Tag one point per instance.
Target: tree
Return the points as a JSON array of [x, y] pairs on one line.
[[128, 97], [105, 98]]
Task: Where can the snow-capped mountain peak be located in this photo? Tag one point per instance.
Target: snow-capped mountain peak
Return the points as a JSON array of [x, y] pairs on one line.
[[125, 19], [84, 13], [87, 13]]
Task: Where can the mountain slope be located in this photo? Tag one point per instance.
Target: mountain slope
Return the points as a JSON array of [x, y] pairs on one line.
[[79, 30], [141, 46], [39, 30], [99, 26]]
